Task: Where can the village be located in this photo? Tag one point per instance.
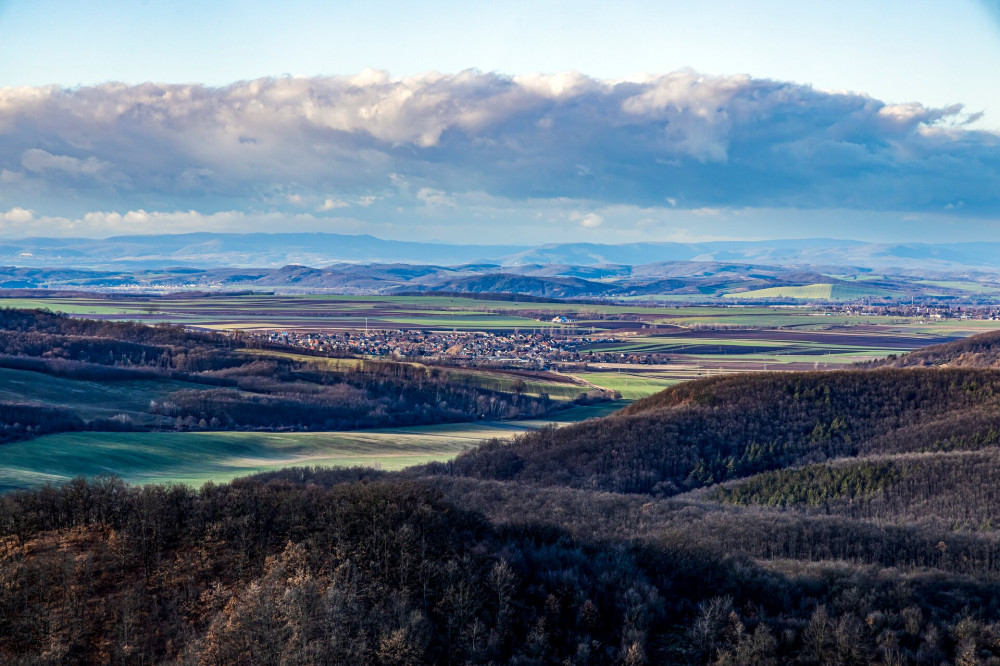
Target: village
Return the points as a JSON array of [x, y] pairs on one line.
[[535, 350], [922, 312]]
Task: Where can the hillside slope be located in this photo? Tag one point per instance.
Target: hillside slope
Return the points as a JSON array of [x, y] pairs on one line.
[[977, 351], [711, 430]]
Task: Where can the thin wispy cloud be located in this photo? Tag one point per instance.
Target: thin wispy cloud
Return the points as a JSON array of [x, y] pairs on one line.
[[370, 147]]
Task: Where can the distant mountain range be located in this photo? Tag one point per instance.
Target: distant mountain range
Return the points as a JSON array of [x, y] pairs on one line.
[[214, 250], [816, 269], [673, 280]]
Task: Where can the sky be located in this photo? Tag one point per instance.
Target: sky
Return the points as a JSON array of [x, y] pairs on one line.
[[494, 122]]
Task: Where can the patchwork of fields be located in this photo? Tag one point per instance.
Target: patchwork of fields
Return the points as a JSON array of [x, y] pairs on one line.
[[656, 327], [325, 312], [709, 353]]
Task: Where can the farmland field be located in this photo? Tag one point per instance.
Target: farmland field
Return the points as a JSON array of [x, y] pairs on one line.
[[318, 312], [197, 457], [827, 292], [338, 312], [698, 339], [633, 385], [703, 353], [323, 311]]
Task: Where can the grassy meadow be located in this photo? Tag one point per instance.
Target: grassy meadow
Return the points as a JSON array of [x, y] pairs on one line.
[[635, 385], [816, 292]]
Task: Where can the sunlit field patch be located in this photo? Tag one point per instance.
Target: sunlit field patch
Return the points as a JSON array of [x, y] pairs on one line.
[[196, 457]]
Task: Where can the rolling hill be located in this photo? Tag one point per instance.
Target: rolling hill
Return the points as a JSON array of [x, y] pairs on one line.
[[552, 287], [687, 281], [319, 249]]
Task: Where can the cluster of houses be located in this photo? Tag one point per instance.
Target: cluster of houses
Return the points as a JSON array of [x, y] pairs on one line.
[[931, 312], [534, 349]]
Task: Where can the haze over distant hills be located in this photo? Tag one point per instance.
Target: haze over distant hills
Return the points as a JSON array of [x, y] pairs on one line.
[[560, 271], [216, 250]]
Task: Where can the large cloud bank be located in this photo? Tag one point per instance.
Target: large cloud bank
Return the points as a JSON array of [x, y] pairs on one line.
[[363, 145]]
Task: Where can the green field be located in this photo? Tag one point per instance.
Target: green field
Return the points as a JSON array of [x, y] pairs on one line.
[[816, 292], [196, 457], [709, 353], [633, 385], [955, 327]]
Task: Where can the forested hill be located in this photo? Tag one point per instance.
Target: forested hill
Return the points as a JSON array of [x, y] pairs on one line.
[[978, 351], [713, 430]]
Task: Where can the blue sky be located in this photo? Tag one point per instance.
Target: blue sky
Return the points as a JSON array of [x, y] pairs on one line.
[[879, 118]]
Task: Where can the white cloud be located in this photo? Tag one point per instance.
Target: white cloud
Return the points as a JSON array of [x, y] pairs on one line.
[[432, 197], [564, 85], [332, 204], [705, 211], [691, 140], [587, 220], [37, 160], [18, 216]]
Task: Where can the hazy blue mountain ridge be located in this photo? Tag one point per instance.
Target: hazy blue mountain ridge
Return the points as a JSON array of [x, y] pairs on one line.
[[211, 250]]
